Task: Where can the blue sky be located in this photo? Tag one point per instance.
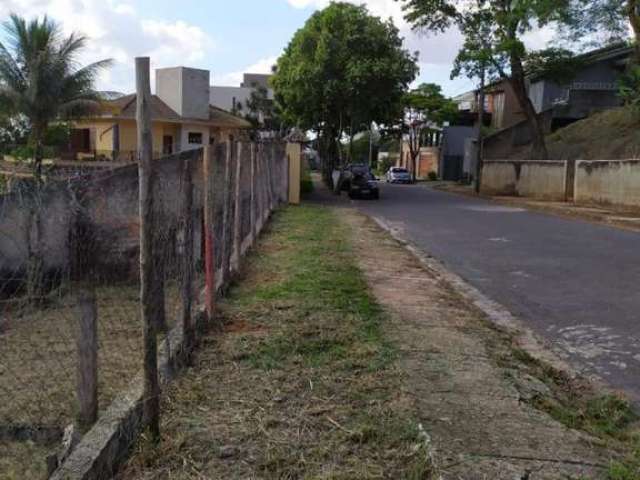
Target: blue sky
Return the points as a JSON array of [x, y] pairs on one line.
[[227, 37]]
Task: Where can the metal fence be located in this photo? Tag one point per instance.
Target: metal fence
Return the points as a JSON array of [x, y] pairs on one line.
[[70, 311]]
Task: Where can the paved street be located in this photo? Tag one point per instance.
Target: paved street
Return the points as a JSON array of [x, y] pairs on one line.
[[576, 283]]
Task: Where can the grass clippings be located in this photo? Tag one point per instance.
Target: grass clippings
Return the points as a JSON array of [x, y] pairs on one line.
[[302, 384]]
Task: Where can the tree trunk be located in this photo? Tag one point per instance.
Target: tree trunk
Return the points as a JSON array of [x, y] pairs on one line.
[[633, 11], [517, 81]]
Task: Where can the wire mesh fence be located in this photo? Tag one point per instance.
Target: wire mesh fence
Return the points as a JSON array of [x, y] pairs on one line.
[[70, 312]]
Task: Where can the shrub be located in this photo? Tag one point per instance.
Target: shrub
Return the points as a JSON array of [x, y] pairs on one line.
[[432, 176], [629, 87], [306, 185]]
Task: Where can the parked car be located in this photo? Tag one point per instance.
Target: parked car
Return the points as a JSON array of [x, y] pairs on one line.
[[363, 185], [398, 175], [349, 171]]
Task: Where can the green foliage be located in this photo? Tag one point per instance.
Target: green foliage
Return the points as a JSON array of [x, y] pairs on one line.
[[14, 130], [39, 78], [493, 34], [556, 64], [58, 135], [343, 69], [432, 176], [306, 184], [629, 87], [428, 101], [384, 165]]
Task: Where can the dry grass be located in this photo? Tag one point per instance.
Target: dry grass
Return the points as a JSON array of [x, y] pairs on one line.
[[38, 367], [302, 384], [602, 136]]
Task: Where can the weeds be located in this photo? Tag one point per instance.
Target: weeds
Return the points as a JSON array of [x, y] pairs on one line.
[[304, 383]]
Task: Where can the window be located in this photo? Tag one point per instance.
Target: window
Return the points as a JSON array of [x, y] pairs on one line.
[[195, 137]]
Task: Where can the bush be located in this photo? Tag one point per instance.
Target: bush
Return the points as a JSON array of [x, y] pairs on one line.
[[306, 185], [432, 176], [629, 87]]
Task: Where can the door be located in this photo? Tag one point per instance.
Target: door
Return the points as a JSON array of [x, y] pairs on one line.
[[167, 144], [452, 167]]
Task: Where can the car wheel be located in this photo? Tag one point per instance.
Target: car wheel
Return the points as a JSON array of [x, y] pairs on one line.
[[375, 195]]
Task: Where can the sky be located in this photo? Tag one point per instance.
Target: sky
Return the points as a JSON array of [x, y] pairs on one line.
[[226, 37]]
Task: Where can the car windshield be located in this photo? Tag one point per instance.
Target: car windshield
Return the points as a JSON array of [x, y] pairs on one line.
[[399, 170]]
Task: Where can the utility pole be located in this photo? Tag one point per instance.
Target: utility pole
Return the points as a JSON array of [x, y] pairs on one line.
[[371, 145], [478, 170]]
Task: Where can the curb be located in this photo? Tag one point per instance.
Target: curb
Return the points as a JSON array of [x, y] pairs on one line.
[[539, 348]]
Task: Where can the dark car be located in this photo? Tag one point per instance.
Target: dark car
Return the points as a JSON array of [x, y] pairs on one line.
[[349, 172], [363, 185]]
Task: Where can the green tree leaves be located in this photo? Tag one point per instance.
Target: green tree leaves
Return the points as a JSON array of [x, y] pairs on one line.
[[343, 70]]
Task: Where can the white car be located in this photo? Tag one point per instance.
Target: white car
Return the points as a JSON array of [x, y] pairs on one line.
[[398, 175]]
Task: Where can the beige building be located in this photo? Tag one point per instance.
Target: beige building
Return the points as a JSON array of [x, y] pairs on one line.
[[182, 118]]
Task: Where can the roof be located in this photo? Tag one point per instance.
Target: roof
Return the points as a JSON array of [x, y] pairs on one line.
[[125, 108]]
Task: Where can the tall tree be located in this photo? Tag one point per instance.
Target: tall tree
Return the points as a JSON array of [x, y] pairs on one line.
[[343, 70], [493, 31], [606, 21], [425, 107], [40, 79]]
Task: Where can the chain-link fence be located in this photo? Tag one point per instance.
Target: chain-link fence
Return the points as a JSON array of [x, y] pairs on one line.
[[70, 312]]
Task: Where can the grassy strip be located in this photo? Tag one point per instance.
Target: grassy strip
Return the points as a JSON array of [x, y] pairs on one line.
[[303, 384], [579, 406]]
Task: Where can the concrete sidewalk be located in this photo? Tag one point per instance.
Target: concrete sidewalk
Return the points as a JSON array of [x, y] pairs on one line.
[[622, 217]]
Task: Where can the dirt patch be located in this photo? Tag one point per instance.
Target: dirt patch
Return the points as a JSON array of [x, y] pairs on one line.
[[491, 409], [38, 365]]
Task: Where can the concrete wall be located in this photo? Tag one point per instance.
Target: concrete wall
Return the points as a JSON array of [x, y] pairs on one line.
[[223, 97], [185, 90], [615, 182], [527, 178], [107, 205]]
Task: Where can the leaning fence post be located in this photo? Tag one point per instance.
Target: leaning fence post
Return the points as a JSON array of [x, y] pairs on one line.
[[209, 252], [187, 254], [151, 401], [87, 371]]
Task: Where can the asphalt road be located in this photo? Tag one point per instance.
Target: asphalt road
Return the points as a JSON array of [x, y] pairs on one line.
[[575, 283]]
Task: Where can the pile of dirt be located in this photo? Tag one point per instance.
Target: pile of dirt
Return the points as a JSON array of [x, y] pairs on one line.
[[612, 134]]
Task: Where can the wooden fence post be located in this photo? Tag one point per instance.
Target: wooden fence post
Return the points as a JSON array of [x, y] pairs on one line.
[[151, 402], [253, 193], [87, 344], [237, 226], [209, 248], [187, 254], [226, 231]]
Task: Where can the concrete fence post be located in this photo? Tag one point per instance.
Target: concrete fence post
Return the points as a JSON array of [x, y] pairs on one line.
[[87, 367]]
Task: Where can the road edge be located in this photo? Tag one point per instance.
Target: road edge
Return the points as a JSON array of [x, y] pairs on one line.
[[497, 314]]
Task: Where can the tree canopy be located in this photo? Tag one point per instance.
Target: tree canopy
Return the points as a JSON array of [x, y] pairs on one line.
[[493, 31], [343, 70], [425, 106]]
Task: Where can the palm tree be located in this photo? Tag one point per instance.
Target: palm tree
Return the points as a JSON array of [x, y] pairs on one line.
[[40, 77]]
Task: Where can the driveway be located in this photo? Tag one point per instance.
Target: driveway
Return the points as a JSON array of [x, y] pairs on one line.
[[573, 282]]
